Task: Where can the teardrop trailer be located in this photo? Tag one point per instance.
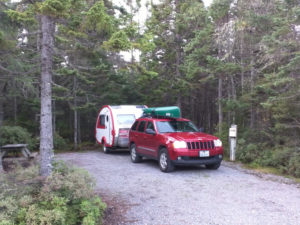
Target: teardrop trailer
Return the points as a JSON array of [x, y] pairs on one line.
[[113, 124]]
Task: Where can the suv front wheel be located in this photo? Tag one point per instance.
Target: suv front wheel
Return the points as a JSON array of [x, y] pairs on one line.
[[164, 161]]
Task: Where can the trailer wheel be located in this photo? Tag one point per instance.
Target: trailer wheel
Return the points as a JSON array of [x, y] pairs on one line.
[[105, 149]]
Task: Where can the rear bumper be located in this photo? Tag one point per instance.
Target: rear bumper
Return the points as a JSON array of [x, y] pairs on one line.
[[122, 141], [198, 161]]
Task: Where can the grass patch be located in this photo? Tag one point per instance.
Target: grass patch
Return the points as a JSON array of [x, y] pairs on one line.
[[269, 170]]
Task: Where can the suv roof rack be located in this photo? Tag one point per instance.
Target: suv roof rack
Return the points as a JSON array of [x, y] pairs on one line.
[[158, 117]]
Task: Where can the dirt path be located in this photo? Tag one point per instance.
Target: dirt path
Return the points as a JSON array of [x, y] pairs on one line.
[[230, 195]]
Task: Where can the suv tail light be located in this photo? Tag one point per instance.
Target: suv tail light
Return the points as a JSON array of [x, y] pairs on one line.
[[123, 132]]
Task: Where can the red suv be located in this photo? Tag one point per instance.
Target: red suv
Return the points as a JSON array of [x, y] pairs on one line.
[[173, 141]]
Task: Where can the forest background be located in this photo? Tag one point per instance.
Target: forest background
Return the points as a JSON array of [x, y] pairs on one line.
[[234, 62]]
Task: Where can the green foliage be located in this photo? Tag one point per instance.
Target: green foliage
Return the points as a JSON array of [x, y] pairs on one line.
[[99, 20], [287, 160], [59, 142], [20, 17], [219, 9], [248, 153], [55, 8], [66, 197], [118, 42], [16, 135]]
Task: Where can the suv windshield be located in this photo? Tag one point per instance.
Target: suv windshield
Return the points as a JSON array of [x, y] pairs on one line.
[[175, 126]]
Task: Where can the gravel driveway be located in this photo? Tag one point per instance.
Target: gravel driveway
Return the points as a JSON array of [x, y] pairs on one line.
[[229, 195]]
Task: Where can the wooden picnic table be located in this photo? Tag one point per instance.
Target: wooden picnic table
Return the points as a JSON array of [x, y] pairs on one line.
[[4, 150]]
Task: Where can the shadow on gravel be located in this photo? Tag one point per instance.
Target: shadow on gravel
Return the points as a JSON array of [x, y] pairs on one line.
[[151, 163]]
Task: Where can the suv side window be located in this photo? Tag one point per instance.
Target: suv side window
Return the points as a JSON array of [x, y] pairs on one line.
[[141, 127], [150, 126], [134, 125]]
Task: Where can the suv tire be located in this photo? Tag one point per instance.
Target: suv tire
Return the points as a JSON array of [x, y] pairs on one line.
[[164, 161], [134, 156], [213, 166]]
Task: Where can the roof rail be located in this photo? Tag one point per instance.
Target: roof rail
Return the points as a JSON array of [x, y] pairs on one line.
[[158, 117]]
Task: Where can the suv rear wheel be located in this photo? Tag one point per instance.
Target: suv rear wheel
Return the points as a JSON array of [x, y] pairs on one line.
[[164, 161], [135, 157]]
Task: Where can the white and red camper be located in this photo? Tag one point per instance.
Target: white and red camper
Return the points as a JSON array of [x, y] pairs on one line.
[[113, 124]]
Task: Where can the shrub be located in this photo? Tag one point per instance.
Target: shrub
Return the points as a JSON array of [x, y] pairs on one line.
[[66, 197], [16, 135], [59, 142], [294, 164], [287, 160], [248, 153]]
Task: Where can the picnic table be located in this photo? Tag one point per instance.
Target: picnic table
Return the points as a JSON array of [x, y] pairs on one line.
[[15, 148]]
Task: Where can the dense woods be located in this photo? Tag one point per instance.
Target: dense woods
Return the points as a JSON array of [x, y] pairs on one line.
[[234, 62]]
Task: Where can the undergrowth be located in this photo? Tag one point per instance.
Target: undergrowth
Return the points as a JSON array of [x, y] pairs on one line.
[[66, 197]]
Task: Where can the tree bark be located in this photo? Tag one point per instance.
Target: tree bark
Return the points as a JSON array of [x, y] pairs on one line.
[[233, 94], [78, 127], [178, 40], [2, 85], [252, 110], [46, 132], [75, 113], [220, 90], [242, 62]]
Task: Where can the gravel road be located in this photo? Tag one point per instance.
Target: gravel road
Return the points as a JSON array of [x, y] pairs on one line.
[[229, 195]]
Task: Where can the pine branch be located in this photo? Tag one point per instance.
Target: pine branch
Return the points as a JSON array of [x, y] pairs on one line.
[[10, 72]]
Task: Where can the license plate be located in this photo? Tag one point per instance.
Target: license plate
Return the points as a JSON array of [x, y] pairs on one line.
[[204, 153]]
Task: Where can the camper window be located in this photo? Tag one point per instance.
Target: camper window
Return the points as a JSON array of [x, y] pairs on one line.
[[125, 119], [102, 120]]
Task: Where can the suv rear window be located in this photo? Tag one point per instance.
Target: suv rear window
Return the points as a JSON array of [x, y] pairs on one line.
[[141, 127], [134, 125]]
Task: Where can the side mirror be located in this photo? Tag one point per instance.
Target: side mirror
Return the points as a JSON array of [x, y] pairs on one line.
[[201, 129], [150, 131]]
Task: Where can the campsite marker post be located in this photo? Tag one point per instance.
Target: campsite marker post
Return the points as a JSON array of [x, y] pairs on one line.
[[232, 141]]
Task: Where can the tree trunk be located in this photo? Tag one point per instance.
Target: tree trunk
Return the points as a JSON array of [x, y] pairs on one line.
[[178, 40], [233, 94], [75, 113], [242, 63], [1, 103], [46, 134], [252, 110], [220, 89], [53, 117], [78, 127], [15, 102], [1, 166]]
